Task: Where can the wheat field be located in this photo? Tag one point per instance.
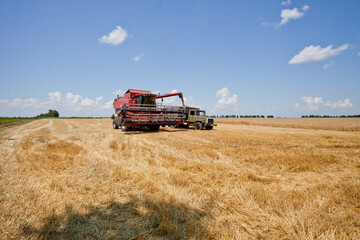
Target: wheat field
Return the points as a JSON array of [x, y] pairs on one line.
[[339, 124], [81, 179]]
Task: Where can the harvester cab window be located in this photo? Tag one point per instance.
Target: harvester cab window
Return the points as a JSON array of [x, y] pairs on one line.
[[192, 112], [149, 100], [139, 100], [200, 113]]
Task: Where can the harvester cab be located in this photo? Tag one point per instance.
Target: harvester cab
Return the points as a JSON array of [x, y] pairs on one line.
[[147, 99]]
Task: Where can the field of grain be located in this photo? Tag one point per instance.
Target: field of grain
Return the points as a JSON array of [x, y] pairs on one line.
[[339, 124], [81, 179]]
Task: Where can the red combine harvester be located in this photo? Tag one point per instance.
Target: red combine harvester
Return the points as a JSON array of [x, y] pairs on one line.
[[139, 109]]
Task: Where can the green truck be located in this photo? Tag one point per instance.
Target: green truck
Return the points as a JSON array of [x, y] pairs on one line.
[[197, 118]]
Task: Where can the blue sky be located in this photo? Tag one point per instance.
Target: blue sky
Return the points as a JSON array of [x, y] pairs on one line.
[[286, 58]]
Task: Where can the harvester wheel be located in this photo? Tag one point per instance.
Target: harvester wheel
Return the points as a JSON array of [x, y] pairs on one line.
[[209, 127], [154, 127], [115, 126], [198, 126]]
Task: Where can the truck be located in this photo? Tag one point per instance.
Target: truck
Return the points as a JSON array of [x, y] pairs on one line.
[[138, 109], [197, 118]]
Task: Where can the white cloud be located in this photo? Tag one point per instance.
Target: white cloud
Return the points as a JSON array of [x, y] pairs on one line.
[[226, 99], [73, 98], [170, 100], [69, 105], [286, 3], [227, 102], [86, 102], [32, 102], [116, 37], [327, 66], [306, 7], [20, 103], [340, 104], [108, 105], [16, 102], [55, 96], [118, 92], [317, 53], [287, 15], [189, 101], [314, 103], [98, 100], [138, 57], [76, 99], [311, 100]]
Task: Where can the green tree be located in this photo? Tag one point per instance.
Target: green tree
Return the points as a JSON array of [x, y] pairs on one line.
[[51, 113]]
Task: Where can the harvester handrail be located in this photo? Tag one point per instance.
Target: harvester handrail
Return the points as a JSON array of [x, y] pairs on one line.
[[153, 115], [147, 107], [157, 105]]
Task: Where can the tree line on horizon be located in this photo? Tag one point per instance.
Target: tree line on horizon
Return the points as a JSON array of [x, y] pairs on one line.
[[272, 116], [241, 116], [51, 113], [329, 116]]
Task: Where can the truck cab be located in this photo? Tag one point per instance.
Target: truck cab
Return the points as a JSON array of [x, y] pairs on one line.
[[196, 116], [198, 119]]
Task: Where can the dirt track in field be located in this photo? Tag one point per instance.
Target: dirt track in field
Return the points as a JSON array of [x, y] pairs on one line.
[[79, 178], [6, 125]]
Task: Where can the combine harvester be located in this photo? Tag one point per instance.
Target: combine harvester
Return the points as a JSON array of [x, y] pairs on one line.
[[138, 109]]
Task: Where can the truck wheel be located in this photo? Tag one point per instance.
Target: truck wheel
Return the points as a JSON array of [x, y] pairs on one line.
[[198, 126], [115, 126], [124, 128], [209, 127]]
